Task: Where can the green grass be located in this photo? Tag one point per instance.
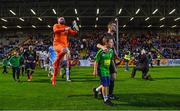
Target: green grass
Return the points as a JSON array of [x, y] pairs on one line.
[[161, 93]]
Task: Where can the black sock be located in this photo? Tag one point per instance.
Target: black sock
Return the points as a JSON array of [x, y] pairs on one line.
[[111, 87]]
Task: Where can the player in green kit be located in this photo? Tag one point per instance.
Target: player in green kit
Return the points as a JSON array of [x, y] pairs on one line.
[[15, 63], [5, 64], [101, 67]]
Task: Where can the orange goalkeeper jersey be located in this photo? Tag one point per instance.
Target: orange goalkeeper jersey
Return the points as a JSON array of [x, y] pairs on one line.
[[61, 36]]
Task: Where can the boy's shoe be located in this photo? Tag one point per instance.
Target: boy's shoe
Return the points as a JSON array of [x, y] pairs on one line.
[[113, 97], [108, 102], [68, 80], [53, 81], [18, 80], [148, 77], [95, 93]]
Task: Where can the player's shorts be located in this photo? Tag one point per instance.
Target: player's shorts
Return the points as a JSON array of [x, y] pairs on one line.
[[61, 49], [105, 81], [30, 65], [58, 48]]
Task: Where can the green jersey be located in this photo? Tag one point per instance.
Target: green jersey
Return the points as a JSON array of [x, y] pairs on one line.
[[104, 61], [15, 61]]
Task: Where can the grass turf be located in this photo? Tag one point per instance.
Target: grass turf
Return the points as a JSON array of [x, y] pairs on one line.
[[161, 93]]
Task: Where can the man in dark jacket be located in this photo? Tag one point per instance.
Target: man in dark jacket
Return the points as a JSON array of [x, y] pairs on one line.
[[142, 65], [30, 60]]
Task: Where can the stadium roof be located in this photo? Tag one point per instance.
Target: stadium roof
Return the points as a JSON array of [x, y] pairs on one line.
[[90, 13]]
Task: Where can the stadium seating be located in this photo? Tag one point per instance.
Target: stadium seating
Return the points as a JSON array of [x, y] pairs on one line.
[[85, 46]]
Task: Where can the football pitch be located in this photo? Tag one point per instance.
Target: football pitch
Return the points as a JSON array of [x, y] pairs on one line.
[[163, 92]]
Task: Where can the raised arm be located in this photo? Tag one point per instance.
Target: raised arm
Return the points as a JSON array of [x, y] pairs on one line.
[[116, 54], [72, 32], [102, 47]]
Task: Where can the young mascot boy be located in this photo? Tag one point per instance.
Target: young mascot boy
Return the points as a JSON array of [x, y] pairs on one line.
[[101, 67]]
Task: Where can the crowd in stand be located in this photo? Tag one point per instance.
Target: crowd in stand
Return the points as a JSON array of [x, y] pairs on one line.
[[84, 47], [168, 46], [7, 44]]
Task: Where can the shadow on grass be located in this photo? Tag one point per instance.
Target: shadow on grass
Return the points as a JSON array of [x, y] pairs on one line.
[[39, 81], [80, 95], [151, 100], [143, 100], [84, 80], [41, 75], [166, 78], [92, 79], [155, 79], [42, 81], [140, 79]]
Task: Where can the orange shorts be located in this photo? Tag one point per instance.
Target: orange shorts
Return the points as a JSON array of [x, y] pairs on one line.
[[60, 49]]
